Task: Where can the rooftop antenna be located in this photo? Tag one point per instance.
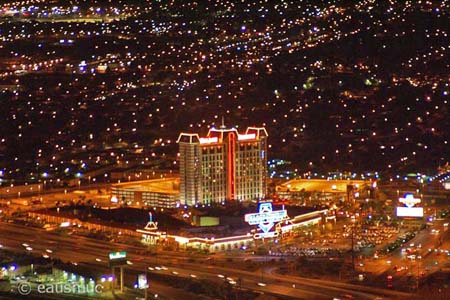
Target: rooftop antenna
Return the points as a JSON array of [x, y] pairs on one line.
[[223, 123]]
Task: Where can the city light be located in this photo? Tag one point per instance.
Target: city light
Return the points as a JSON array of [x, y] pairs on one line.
[[225, 149]]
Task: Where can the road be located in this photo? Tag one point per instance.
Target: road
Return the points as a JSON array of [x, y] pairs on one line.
[[93, 253], [427, 239]]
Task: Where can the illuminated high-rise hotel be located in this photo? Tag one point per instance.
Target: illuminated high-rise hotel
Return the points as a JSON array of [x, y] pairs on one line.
[[224, 165]]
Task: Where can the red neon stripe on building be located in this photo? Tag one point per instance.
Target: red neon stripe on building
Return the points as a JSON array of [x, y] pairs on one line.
[[231, 163]]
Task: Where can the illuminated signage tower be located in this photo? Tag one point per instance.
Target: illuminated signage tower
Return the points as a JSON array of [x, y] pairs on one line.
[[410, 209], [224, 165]]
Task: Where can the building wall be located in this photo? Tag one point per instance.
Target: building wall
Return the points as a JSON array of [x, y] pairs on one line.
[[145, 198], [154, 199], [190, 174], [214, 181], [123, 194], [251, 168]]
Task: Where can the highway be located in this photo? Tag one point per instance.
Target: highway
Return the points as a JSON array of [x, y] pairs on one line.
[[94, 254]]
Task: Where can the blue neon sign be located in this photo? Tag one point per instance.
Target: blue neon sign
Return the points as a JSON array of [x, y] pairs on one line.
[[266, 217]]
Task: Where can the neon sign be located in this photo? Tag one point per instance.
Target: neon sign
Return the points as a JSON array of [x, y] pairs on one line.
[[409, 200], [244, 137], [209, 140], [265, 218]]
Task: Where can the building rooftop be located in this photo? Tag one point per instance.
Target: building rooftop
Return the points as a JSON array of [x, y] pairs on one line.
[[217, 135], [169, 185], [318, 185]]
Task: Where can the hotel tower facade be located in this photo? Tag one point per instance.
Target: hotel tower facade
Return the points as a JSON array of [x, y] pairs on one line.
[[224, 165]]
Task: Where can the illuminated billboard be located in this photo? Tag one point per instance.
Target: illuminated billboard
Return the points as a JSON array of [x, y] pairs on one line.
[[409, 210], [117, 255], [118, 258], [265, 219]]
